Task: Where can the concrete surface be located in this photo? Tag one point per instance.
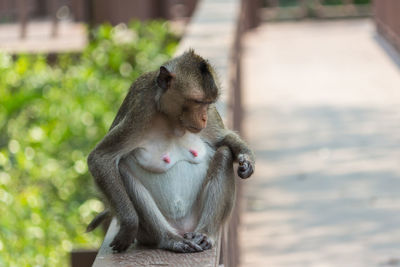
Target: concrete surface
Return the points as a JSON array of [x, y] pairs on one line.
[[323, 116]]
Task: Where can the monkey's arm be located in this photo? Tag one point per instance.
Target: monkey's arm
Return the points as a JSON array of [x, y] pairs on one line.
[[224, 137], [241, 152], [131, 121]]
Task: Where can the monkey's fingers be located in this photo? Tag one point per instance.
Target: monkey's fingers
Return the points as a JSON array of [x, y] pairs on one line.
[[200, 239], [244, 161], [193, 246], [183, 246], [245, 170], [244, 165], [205, 243], [193, 235]]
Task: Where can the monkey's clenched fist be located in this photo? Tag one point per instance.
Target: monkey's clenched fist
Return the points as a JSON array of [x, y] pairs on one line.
[[245, 169], [166, 164]]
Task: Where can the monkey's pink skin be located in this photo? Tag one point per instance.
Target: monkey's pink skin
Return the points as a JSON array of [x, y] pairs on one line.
[[166, 159], [194, 152]]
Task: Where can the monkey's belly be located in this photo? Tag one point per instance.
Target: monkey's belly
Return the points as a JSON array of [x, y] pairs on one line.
[[174, 191]]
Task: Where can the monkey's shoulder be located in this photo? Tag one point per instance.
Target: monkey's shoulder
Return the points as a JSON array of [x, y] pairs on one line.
[[139, 101], [144, 83]]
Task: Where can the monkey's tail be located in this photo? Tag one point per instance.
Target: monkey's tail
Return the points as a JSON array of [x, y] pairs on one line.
[[98, 220]]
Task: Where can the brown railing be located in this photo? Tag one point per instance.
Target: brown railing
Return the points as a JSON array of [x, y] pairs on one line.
[[92, 12], [298, 9], [22, 10], [387, 19]]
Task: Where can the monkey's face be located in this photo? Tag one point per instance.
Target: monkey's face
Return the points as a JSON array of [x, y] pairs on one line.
[[194, 114], [188, 88], [187, 110]]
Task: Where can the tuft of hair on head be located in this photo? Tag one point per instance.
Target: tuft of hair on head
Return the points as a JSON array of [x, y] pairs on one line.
[[203, 66], [204, 70]]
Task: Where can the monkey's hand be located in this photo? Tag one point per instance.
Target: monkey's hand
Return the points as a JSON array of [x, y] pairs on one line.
[[246, 168], [125, 236], [200, 239]]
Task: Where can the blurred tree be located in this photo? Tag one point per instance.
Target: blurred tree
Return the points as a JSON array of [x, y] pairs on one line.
[[50, 118]]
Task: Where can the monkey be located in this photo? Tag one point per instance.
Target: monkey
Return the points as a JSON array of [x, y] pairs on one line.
[[165, 166]]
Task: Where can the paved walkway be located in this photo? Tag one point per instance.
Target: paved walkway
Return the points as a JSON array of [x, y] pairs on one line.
[[323, 115]]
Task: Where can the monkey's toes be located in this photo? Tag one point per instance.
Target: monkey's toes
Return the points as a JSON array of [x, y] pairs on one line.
[[200, 239], [185, 246], [120, 245], [122, 241]]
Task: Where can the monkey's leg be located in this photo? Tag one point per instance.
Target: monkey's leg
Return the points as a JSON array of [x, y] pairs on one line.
[[154, 229], [216, 199], [105, 172], [103, 164]]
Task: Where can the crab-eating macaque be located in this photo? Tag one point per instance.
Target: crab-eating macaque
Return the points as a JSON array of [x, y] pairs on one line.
[[166, 165]]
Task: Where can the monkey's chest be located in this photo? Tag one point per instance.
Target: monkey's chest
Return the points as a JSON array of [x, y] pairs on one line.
[[158, 153], [172, 170]]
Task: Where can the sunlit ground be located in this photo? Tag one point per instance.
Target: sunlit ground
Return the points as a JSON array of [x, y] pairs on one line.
[[323, 115]]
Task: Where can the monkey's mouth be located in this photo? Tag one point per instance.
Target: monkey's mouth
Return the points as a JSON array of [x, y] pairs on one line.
[[193, 129]]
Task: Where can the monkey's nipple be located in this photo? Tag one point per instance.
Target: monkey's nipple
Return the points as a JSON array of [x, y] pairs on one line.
[[166, 159], [194, 152]]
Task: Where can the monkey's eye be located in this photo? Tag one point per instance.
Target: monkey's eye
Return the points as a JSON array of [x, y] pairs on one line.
[[198, 101]]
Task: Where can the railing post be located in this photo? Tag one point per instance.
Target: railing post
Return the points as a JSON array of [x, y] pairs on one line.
[[54, 19], [22, 9]]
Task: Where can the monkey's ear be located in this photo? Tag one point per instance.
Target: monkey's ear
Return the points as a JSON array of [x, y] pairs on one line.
[[164, 78]]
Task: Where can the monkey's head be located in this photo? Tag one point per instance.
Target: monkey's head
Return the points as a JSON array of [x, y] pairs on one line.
[[187, 86]]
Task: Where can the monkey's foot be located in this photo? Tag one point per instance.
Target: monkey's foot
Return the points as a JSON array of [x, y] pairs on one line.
[[122, 241], [200, 239], [245, 169], [182, 246]]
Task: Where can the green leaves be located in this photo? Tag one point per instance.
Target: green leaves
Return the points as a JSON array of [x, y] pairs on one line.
[[51, 116]]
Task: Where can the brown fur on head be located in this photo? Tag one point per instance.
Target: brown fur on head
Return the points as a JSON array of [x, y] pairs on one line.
[[187, 87]]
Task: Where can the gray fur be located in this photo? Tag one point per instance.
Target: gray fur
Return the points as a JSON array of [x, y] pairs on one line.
[[183, 207]]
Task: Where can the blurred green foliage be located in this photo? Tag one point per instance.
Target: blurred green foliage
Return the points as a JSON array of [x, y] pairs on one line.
[[362, 2], [332, 2], [287, 3], [51, 116]]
